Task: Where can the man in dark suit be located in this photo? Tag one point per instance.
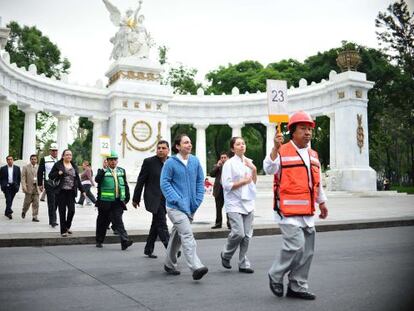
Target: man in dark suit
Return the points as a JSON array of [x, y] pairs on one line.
[[10, 178], [153, 197], [218, 190]]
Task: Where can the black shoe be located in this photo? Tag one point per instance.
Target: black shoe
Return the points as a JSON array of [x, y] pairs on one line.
[[126, 244], [151, 256], [276, 288], [9, 216], [225, 262], [35, 220], [99, 245], [54, 225], [246, 270], [171, 271], [115, 232], [199, 273], [216, 227], [178, 254], [301, 295], [23, 215]]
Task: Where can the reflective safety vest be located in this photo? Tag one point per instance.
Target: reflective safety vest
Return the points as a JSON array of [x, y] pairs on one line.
[[108, 191], [296, 197]]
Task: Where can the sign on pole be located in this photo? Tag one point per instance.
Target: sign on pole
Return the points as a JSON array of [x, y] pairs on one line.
[[105, 145], [277, 101]]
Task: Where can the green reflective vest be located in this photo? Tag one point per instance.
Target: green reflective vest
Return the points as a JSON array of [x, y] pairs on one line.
[[108, 192]]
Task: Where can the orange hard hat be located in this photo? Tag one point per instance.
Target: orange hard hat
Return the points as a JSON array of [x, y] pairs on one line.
[[300, 117]]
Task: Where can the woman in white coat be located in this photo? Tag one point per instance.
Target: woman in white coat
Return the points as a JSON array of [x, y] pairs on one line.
[[239, 185]]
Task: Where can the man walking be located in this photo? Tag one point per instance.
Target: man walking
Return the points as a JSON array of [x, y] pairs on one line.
[[218, 190], [10, 183], [45, 166], [297, 191], [29, 187], [113, 195], [153, 197]]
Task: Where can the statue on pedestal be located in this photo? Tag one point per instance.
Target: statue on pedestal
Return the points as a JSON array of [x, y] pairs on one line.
[[132, 38]]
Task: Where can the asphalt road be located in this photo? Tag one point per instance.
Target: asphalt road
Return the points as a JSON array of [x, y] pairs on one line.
[[369, 269]]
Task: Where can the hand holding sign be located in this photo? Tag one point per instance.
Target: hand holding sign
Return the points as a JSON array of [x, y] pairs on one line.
[[277, 101]]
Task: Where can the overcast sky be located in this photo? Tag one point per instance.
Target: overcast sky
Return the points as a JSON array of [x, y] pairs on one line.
[[203, 34]]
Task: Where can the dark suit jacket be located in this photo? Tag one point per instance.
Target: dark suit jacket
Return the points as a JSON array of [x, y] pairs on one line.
[[217, 188], [4, 177], [150, 178], [106, 204]]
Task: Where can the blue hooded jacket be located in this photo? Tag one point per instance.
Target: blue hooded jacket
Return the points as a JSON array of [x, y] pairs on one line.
[[182, 186]]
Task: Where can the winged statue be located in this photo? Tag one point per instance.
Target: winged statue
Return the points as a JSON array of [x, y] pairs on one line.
[[132, 38]]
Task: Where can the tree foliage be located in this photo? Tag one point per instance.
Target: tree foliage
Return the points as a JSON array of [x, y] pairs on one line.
[[27, 45], [181, 78], [82, 145]]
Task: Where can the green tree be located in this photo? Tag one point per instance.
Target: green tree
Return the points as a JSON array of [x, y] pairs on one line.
[[181, 78], [82, 145], [396, 34], [27, 45]]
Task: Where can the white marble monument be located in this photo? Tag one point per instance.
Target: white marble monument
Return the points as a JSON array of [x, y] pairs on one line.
[[135, 110]]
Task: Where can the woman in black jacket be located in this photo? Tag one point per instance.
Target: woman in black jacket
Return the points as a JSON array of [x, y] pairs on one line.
[[65, 174]]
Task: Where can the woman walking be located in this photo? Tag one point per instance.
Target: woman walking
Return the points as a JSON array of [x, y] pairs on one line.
[[65, 174], [182, 183], [87, 183], [238, 178]]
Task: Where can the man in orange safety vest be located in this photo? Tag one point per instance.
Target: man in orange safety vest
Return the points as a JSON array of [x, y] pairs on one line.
[[297, 190]]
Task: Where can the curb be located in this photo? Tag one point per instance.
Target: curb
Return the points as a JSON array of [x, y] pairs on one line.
[[88, 237]]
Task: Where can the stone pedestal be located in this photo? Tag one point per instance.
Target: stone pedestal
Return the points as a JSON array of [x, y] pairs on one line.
[[138, 111]]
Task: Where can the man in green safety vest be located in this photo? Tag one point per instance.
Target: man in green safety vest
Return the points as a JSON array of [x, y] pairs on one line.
[[113, 195]]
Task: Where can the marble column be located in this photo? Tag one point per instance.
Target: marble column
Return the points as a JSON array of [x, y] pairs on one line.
[[236, 129], [270, 134], [4, 130], [332, 141], [29, 134], [201, 152], [62, 132], [96, 158], [168, 137]]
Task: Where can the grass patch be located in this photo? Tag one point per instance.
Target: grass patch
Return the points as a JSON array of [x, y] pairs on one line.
[[406, 189]]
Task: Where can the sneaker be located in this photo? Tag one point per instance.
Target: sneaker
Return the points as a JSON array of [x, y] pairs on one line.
[[301, 295], [171, 271], [68, 232], [126, 244], [225, 262], [199, 273], [64, 235]]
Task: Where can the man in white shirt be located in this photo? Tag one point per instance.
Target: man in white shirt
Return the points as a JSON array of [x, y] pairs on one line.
[[297, 168], [45, 166]]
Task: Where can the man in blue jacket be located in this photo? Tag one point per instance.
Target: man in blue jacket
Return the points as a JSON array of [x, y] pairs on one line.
[[182, 183]]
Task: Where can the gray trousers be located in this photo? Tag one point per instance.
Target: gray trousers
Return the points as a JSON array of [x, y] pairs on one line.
[[181, 235], [240, 235], [295, 256]]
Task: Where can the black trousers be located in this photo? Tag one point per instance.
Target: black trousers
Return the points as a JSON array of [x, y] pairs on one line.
[[9, 193], [159, 229], [89, 194], [110, 214], [66, 204], [219, 208], [51, 204]]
